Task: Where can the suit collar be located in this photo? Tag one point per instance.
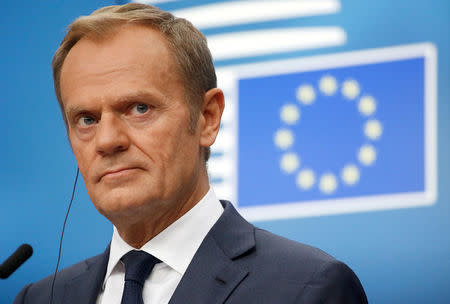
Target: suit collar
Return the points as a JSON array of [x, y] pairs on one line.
[[85, 287], [234, 235], [213, 271]]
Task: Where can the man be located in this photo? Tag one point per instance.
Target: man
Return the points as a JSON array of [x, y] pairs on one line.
[[137, 90]]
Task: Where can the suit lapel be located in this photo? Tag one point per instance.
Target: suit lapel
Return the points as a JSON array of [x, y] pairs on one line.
[[85, 287], [213, 272]]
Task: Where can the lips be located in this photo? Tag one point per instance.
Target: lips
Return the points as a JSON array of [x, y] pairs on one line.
[[117, 173]]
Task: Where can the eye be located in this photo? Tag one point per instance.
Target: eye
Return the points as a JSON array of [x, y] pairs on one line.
[[86, 121], [140, 108]]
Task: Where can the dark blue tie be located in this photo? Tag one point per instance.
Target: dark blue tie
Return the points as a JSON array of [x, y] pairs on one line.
[[138, 265]]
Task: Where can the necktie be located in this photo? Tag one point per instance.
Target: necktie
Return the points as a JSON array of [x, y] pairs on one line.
[[138, 265]]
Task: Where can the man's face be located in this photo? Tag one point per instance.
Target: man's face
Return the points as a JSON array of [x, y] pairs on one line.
[[129, 123]]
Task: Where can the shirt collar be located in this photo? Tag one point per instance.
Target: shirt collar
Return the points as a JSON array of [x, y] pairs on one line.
[[177, 244]]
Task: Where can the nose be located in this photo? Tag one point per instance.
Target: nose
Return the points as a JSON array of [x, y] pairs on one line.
[[111, 135]]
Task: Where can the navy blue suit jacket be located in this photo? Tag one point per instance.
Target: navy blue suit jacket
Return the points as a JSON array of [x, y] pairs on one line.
[[236, 263]]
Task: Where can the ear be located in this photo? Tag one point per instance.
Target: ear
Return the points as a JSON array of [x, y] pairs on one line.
[[210, 116]]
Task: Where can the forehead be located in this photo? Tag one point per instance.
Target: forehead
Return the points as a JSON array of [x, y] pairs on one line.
[[133, 53]]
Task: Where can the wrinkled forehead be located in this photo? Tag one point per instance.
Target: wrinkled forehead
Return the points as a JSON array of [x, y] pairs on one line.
[[131, 49], [148, 40]]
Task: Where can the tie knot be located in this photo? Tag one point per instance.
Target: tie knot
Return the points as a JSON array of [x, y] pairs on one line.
[[138, 265]]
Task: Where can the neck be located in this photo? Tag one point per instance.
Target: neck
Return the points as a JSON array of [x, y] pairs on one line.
[[159, 216]]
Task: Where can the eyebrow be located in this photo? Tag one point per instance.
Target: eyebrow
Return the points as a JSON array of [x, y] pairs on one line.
[[139, 95], [134, 96], [74, 110]]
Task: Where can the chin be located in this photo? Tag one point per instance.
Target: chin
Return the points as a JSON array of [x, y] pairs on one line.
[[124, 203]]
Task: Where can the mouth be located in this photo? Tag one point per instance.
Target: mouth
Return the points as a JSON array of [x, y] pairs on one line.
[[118, 173]]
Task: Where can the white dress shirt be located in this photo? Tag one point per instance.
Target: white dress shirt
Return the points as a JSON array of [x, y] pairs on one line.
[[175, 246]]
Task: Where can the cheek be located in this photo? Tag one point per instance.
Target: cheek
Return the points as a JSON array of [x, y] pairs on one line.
[[84, 160], [170, 151], [161, 143]]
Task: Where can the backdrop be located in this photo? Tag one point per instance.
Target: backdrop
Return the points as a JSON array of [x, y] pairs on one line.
[[398, 245]]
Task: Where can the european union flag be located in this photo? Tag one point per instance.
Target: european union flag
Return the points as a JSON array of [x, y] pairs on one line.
[[332, 133]]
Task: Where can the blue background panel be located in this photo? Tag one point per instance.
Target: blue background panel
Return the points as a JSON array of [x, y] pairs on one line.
[[330, 133]]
